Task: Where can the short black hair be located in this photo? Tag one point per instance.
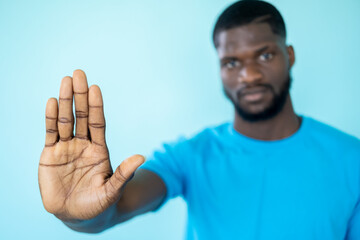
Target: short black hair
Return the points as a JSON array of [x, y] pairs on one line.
[[246, 11]]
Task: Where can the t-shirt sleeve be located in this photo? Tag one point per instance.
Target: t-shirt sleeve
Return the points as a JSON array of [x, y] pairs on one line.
[[354, 225], [353, 230], [169, 164]]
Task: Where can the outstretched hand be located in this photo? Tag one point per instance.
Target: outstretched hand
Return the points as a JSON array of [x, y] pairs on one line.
[[75, 175]]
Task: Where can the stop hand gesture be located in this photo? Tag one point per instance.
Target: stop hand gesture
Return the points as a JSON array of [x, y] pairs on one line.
[[75, 176]]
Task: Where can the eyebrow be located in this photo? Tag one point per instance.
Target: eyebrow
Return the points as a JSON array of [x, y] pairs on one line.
[[260, 50], [227, 59], [257, 52]]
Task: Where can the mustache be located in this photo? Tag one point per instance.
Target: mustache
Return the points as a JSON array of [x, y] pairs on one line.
[[248, 88]]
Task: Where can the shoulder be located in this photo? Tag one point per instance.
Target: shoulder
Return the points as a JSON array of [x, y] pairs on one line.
[[217, 131], [203, 139], [331, 136], [210, 135]]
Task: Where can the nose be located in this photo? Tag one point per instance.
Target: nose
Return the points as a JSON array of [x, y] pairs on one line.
[[249, 74]]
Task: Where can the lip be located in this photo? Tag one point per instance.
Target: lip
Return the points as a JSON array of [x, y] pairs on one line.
[[253, 94], [253, 90]]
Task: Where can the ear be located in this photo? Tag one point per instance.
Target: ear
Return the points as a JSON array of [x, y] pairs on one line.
[[291, 54]]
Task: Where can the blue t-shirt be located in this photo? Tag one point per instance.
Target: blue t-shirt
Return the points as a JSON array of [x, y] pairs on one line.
[[304, 187]]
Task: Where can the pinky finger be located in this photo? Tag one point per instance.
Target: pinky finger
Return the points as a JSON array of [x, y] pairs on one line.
[[51, 114]]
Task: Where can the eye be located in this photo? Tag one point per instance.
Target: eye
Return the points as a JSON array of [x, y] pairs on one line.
[[230, 64], [266, 56]]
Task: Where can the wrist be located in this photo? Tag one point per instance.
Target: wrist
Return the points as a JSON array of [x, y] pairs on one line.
[[96, 224]]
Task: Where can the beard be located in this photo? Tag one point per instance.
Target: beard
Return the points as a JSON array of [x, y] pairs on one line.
[[274, 107]]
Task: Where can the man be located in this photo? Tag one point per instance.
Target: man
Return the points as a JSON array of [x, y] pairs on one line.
[[269, 174]]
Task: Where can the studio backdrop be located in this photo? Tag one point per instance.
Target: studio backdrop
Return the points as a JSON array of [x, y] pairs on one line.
[[159, 74]]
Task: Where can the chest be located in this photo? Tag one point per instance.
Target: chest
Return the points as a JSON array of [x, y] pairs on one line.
[[282, 194]]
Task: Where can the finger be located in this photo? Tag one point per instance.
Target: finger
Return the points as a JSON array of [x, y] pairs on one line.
[[65, 117], [51, 113], [123, 173], [80, 88], [96, 116]]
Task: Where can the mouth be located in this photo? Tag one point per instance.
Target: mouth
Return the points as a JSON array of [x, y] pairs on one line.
[[253, 94]]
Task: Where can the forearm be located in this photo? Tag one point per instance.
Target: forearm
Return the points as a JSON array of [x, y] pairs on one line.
[[123, 210]]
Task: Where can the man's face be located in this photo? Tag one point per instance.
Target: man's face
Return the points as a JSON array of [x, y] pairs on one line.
[[255, 66]]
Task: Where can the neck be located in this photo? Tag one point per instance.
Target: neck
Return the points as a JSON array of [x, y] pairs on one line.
[[283, 125]]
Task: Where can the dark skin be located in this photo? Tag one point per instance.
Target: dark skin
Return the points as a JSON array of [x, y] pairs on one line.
[[252, 55], [77, 182]]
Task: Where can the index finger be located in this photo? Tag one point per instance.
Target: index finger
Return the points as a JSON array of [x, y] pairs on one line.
[[96, 116]]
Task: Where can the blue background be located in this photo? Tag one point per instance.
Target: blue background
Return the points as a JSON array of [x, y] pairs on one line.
[[159, 74]]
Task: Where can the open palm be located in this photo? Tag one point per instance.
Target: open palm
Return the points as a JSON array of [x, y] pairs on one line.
[[75, 175]]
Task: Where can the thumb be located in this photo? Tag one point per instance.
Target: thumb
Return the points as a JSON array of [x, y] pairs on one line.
[[124, 172]]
